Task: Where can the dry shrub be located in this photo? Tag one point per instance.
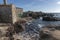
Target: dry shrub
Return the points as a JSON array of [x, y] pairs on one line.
[[21, 21]]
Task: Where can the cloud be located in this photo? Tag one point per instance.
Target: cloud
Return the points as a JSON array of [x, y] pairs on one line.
[[58, 2]]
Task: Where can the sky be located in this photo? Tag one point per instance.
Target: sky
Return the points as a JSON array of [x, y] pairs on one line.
[[36, 5]]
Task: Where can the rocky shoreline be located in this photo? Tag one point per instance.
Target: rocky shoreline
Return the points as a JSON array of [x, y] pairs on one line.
[[23, 30]]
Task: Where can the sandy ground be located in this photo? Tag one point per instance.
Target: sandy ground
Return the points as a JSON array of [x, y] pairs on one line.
[[55, 33]]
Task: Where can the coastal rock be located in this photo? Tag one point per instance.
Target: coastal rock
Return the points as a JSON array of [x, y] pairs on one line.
[[51, 19]]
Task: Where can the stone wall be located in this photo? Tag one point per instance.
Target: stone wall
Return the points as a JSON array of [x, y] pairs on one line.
[[14, 17], [19, 12], [5, 13]]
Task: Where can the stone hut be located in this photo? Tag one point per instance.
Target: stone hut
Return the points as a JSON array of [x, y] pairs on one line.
[[10, 13]]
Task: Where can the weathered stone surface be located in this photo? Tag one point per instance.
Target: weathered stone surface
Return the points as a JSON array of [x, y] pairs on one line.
[[9, 13]]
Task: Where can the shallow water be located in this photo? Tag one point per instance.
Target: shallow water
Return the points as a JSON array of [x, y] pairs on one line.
[[45, 23]]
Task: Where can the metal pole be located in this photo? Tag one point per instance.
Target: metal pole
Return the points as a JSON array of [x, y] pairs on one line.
[[5, 2]]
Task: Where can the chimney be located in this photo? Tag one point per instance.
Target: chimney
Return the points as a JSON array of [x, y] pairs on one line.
[[5, 2]]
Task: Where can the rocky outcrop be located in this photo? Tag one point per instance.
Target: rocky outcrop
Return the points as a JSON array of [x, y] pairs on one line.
[[51, 19], [48, 19]]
